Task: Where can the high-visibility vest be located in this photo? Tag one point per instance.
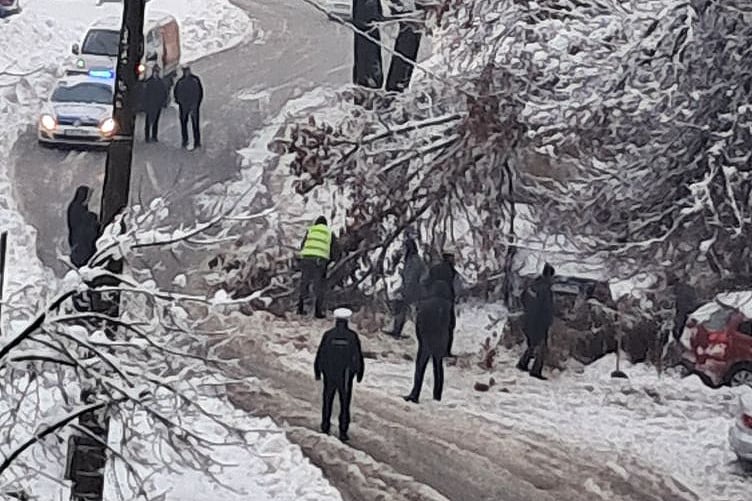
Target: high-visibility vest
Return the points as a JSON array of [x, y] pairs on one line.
[[318, 242]]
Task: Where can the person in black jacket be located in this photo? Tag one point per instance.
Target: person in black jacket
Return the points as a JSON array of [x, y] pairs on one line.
[[432, 328], [189, 94], [538, 302], [340, 360], [445, 272], [83, 228], [155, 97]]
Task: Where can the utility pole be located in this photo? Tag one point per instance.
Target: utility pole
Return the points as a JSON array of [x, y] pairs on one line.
[[87, 454]]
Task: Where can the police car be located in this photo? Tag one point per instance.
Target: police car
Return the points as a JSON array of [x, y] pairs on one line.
[[79, 111]]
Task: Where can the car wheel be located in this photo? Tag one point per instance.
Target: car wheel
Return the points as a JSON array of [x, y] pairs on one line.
[[740, 375]]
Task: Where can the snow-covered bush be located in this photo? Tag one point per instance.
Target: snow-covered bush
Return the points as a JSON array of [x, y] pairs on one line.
[[132, 363]]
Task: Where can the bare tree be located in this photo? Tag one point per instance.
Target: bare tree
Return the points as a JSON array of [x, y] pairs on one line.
[[138, 367]]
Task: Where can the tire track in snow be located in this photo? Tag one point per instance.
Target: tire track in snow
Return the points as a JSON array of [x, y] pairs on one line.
[[461, 456]]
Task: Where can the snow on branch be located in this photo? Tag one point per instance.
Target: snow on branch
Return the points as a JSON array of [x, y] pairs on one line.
[[137, 362]]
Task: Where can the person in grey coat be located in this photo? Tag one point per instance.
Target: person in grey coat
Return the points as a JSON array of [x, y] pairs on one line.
[[411, 290]]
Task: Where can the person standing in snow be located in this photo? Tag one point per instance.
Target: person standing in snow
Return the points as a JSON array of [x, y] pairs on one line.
[[538, 302], [445, 272], [315, 254], [411, 289], [83, 228], [155, 97], [189, 94], [340, 360], [432, 327]]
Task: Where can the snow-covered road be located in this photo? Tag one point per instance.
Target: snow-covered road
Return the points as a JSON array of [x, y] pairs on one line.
[[437, 450]]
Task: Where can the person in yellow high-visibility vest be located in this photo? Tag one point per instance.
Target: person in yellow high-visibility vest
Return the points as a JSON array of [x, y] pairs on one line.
[[315, 255]]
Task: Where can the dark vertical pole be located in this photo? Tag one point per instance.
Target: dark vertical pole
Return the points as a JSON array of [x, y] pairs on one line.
[[367, 66], [89, 456], [117, 177], [407, 45], [3, 250]]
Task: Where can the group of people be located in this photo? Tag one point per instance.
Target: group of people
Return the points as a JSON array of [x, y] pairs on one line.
[[431, 294], [188, 94]]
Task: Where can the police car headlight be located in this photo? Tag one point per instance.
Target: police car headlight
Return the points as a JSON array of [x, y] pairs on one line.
[[107, 127], [48, 122]]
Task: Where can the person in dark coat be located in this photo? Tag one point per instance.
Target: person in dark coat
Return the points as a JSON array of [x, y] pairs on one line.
[[445, 272], [411, 290], [432, 327], [155, 97], [189, 94], [538, 301], [83, 228], [318, 249], [340, 360], [685, 302]]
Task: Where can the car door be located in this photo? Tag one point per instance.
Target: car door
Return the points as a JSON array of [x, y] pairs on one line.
[[741, 341]]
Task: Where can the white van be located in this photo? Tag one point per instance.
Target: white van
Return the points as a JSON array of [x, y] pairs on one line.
[[100, 45]]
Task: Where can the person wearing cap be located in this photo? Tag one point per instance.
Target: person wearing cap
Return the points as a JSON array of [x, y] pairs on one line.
[[189, 94], [445, 272], [432, 329], [315, 254], [340, 360], [538, 302], [155, 97]]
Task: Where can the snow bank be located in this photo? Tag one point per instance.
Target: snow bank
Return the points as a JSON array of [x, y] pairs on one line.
[[262, 465]]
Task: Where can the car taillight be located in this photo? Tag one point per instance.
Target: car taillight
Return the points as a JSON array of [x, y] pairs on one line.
[[747, 421]]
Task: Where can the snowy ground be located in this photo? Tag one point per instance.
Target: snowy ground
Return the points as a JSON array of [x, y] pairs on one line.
[[34, 43], [677, 426], [260, 465]]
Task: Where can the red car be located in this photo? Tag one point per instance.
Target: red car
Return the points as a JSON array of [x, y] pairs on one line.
[[718, 340]]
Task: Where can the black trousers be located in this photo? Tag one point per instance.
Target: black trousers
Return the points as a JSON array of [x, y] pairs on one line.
[[193, 115], [313, 273], [151, 124], [424, 355], [341, 385], [536, 351]]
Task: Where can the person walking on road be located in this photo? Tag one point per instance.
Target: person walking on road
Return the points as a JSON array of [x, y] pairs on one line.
[[155, 98], [189, 94], [340, 360], [315, 254], [411, 289], [445, 272], [538, 301], [83, 228], [432, 327]]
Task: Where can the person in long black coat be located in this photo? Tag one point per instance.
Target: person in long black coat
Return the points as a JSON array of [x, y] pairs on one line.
[[539, 315], [432, 328], [340, 360], [189, 94], [83, 228], [155, 97], [445, 272]]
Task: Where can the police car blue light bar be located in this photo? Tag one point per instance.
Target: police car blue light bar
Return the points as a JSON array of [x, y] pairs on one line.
[[101, 74]]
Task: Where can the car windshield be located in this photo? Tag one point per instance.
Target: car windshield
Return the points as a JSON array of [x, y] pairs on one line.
[[101, 43], [83, 93], [718, 320]]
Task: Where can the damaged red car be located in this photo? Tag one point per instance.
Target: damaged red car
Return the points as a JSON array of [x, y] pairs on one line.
[[717, 340]]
